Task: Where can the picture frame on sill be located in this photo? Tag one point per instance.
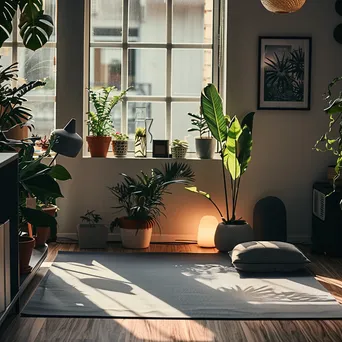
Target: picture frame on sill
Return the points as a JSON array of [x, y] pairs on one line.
[[284, 73], [160, 149]]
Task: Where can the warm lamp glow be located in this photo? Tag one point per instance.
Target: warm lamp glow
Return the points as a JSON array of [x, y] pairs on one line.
[[206, 231]]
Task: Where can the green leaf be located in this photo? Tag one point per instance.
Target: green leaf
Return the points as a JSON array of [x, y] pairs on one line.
[[246, 142], [230, 157], [43, 187], [211, 104], [39, 218], [195, 190], [60, 172], [35, 27], [8, 9]]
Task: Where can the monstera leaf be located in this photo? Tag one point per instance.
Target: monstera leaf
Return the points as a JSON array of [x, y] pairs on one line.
[[35, 26], [8, 9]]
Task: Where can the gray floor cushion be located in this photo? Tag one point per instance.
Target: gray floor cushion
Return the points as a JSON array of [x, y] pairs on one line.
[[268, 256]]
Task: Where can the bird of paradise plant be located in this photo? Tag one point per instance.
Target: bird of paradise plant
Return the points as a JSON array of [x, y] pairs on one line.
[[235, 142]]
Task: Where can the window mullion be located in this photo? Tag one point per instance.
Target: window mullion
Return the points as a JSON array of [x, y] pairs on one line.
[[168, 127], [124, 66]]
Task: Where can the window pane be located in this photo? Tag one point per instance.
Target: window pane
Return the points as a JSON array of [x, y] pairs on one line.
[[192, 21], [106, 20], [38, 65], [105, 67], [191, 71], [147, 71], [43, 116], [181, 122], [139, 111], [5, 56], [147, 21]]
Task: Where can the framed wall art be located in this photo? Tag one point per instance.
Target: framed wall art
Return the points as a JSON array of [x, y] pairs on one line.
[[284, 73]]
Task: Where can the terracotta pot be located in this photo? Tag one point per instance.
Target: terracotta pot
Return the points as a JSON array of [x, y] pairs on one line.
[[43, 233], [98, 146], [135, 234], [227, 236], [26, 245]]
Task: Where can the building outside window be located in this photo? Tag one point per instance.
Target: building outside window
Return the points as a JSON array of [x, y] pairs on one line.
[[38, 65], [167, 50]]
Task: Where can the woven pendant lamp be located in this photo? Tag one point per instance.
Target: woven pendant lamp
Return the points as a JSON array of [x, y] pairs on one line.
[[283, 6]]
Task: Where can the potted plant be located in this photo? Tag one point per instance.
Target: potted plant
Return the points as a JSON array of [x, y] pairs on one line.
[[120, 144], [179, 148], [142, 201], [205, 144], [92, 234], [43, 143], [331, 140], [140, 142], [100, 123], [235, 141]]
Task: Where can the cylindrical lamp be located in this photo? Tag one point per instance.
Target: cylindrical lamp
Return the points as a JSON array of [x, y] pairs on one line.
[[206, 231], [283, 6]]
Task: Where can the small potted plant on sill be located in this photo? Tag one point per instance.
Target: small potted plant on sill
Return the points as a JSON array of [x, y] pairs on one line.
[[205, 144], [235, 141], [120, 144], [140, 142], [92, 234], [100, 122], [141, 199], [43, 143], [179, 148]]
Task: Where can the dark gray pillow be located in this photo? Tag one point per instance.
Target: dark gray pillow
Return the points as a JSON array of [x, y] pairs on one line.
[[268, 256]]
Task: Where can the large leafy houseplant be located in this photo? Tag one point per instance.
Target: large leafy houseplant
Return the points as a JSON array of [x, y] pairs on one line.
[[35, 27], [100, 122], [141, 199], [235, 141], [331, 140]]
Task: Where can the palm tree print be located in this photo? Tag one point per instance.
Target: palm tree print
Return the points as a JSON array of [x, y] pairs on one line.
[[284, 74]]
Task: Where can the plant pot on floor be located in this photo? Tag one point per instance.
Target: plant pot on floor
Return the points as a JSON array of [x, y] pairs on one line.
[[92, 235], [227, 236], [26, 245], [179, 152], [135, 234], [120, 148], [43, 233], [98, 146], [205, 148]]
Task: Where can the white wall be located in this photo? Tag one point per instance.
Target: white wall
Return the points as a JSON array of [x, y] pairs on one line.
[[283, 163]]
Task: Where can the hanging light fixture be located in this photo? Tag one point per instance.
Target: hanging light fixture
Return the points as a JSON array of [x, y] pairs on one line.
[[283, 6]]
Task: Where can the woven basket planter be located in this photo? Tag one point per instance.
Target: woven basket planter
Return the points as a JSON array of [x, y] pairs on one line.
[[120, 148], [179, 152], [283, 6]]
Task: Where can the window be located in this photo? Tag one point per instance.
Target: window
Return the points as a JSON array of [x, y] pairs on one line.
[[168, 50], [38, 65]]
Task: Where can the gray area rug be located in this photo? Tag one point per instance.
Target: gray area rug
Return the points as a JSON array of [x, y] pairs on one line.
[[170, 285]]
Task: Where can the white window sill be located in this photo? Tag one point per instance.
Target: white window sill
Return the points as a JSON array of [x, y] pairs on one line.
[[130, 156]]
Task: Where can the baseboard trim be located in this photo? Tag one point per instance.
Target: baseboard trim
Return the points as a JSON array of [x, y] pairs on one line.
[[159, 238]]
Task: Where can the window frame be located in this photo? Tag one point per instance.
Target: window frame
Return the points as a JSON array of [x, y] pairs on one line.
[[219, 57]]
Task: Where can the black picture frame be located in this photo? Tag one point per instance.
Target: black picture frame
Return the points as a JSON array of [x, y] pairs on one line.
[[294, 54], [160, 149]]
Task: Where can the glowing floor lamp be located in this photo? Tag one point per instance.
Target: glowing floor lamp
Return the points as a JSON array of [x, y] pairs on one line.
[[206, 231]]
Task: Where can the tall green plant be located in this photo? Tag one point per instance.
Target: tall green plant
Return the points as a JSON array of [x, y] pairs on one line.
[[35, 27], [100, 122], [235, 141], [331, 140]]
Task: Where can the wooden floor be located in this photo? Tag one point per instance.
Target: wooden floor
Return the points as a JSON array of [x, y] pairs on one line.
[[328, 271]]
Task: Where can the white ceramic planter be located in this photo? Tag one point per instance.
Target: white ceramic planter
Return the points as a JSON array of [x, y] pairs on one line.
[[179, 152], [228, 236], [120, 148], [92, 236], [136, 238]]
